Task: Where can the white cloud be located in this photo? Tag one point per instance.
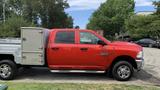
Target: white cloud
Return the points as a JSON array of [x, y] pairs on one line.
[[84, 4], [94, 4], [143, 2]]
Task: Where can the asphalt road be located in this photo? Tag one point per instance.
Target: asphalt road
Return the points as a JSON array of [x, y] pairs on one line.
[[149, 75]]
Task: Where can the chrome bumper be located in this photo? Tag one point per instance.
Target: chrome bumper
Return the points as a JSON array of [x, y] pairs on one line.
[[140, 64]]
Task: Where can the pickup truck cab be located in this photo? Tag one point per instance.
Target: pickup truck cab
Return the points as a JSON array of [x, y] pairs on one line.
[[70, 50]]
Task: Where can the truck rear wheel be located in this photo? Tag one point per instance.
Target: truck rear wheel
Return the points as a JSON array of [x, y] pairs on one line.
[[122, 71], [8, 69]]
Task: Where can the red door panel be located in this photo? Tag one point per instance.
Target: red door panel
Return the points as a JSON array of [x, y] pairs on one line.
[[61, 58], [90, 56]]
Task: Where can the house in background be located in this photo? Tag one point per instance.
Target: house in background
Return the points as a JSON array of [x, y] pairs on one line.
[[100, 32]]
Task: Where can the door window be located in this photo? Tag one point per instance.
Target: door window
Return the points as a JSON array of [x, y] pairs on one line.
[[88, 38], [65, 37]]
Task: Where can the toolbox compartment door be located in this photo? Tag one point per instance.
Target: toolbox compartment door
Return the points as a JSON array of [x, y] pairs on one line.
[[33, 45]]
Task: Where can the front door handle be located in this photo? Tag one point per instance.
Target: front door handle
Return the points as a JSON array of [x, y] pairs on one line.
[[83, 49], [55, 48]]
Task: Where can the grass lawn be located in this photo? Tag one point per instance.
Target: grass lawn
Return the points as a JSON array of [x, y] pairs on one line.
[[70, 86]]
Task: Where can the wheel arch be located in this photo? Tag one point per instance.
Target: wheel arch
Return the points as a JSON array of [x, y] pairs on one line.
[[7, 57], [129, 59]]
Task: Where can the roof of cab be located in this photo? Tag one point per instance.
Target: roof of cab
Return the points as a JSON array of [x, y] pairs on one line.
[[73, 29]]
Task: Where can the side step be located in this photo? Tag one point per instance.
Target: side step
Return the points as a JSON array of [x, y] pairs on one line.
[[76, 71]]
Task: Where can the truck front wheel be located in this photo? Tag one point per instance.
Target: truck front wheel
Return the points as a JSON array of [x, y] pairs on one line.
[[8, 69], [122, 71]]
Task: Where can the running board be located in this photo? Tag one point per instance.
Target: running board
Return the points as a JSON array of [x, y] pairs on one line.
[[76, 71]]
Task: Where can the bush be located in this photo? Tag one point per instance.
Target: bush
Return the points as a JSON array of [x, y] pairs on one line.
[[143, 26], [11, 28]]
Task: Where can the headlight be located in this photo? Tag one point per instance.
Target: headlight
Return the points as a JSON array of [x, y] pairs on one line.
[[140, 54]]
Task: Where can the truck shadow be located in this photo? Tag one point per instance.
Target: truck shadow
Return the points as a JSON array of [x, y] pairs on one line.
[[43, 74], [146, 77]]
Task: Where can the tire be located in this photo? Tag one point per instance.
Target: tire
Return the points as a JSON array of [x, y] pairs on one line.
[[109, 73], [122, 71], [8, 70]]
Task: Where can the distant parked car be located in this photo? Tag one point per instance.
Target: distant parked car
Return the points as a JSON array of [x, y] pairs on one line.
[[158, 43], [146, 42]]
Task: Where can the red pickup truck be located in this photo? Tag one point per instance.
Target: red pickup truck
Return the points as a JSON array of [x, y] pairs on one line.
[[74, 50]]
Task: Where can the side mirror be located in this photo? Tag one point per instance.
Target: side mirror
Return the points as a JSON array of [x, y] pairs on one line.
[[100, 42]]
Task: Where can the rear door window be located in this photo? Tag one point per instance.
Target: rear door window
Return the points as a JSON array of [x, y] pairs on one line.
[[65, 37]]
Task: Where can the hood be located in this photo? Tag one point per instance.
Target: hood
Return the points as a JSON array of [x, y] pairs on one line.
[[126, 44]]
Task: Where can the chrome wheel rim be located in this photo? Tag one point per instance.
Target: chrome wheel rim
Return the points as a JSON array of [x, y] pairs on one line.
[[5, 70], [123, 71]]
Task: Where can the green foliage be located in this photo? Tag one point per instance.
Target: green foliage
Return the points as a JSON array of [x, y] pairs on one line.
[[157, 4], [51, 13], [143, 26], [7, 9], [11, 28], [1, 10], [111, 16]]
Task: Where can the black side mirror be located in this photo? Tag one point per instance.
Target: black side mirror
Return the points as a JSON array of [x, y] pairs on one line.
[[100, 42]]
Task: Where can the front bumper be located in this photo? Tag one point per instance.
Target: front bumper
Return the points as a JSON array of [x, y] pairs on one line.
[[140, 64]]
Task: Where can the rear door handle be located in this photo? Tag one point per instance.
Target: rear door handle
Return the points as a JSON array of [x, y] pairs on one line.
[[83, 49], [55, 48]]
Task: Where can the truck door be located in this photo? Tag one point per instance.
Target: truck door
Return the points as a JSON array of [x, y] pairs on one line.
[[60, 50], [90, 55]]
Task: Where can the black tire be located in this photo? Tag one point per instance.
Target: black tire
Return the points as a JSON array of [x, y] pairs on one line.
[[12, 69], [109, 73], [116, 69]]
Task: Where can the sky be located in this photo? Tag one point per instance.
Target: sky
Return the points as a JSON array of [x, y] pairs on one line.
[[81, 10]]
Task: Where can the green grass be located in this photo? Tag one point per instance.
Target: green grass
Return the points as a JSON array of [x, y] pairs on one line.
[[70, 86]]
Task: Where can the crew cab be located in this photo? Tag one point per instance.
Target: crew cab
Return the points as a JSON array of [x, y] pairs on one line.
[[69, 50]]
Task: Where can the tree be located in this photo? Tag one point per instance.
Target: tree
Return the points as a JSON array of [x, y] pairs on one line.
[[4, 10], [141, 26], [111, 16], [51, 12], [157, 4], [11, 28], [1, 10], [137, 26], [29, 12]]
